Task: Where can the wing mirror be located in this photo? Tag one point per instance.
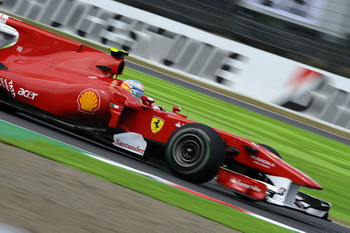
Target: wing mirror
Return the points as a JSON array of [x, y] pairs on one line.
[[146, 100], [176, 109]]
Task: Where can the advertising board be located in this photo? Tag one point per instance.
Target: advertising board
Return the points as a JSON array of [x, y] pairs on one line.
[[199, 55]]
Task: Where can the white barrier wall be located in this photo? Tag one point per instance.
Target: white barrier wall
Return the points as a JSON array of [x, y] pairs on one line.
[[328, 16], [199, 55]]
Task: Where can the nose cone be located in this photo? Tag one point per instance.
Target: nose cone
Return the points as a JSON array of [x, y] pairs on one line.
[[302, 179], [298, 177], [284, 169]]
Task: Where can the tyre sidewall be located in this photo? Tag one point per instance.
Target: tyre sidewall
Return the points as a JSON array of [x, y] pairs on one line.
[[209, 159]]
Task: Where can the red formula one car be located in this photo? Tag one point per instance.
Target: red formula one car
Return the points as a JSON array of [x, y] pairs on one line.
[[77, 87]]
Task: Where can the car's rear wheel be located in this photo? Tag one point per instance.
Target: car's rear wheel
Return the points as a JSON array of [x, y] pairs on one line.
[[195, 152]]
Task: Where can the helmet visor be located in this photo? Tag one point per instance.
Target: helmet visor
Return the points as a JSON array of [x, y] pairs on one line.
[[137, 92]]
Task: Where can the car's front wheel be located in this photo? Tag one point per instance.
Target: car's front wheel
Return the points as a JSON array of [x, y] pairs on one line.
[[195, 152]]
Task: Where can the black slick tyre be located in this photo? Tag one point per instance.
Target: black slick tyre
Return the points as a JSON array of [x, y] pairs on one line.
[[195, 152]]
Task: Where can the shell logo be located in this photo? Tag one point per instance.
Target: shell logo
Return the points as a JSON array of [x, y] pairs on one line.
[[88, 101]]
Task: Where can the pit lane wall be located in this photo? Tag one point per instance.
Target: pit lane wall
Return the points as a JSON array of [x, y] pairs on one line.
[[219, 62]]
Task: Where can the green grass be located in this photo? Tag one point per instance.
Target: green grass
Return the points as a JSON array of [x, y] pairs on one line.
[[324, 160], [76, 159]]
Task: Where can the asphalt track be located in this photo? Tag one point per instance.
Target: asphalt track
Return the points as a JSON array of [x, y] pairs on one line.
[[286, 216]]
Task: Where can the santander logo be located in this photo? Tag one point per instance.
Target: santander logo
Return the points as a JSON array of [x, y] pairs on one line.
[[136, 149], [130, 141]]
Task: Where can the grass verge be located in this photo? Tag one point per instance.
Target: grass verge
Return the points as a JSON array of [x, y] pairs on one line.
[[76, 159]]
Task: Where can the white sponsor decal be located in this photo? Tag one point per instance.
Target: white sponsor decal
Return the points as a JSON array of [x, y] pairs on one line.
[[26, 93], [281, 191], [237, 181], [8, 85], [3, 18], [132, 142], [19, 48], [179, 124], [262, 162]]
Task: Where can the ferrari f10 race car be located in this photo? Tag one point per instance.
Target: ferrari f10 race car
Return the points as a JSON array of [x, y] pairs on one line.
[[78, 88]]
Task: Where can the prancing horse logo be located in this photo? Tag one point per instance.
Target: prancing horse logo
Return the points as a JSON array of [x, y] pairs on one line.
[[156, 124]]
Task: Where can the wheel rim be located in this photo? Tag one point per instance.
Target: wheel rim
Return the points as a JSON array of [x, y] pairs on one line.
[[188, 150]]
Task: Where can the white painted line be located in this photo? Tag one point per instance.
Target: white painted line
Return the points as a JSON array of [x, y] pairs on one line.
[[188, 190], [98, 157]]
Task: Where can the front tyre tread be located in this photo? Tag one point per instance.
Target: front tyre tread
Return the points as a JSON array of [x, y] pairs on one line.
[[195, 152]]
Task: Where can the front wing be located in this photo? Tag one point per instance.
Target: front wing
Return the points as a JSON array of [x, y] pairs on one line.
[[279, 191]]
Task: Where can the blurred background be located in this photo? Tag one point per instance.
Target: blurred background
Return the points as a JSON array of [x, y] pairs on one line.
[[314, 32]]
